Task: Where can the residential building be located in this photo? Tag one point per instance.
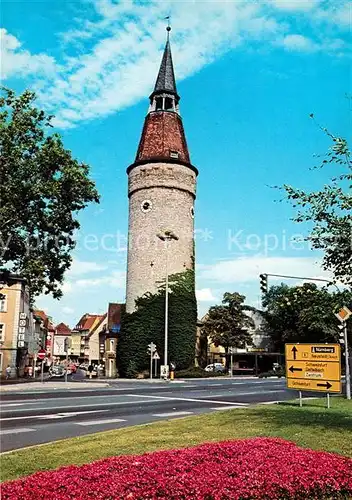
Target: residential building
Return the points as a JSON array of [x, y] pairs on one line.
[[62, 332], [18, 340], [80, 350], [254, 358], [94, 339], [47, 329], [110, 340]]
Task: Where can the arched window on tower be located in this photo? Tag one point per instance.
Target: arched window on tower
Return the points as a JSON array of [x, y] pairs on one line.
[[169, 104], [158, 104]]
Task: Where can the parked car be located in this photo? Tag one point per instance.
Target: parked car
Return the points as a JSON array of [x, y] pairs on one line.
[[57, 371], [72, 368], [215, 367]]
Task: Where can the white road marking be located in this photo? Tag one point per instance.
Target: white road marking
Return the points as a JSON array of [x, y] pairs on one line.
[[228, 407], [85, 406], [19, 430], [192, 400], [101, 422], [51, 416], [235, 394], [11, 404], [173, 414], [268, 403]]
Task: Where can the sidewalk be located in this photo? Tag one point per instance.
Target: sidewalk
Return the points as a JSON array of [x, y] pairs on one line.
[[48, 386], [177, 380]]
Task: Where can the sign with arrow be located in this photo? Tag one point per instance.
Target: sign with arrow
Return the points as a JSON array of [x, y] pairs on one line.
[[313, 367]]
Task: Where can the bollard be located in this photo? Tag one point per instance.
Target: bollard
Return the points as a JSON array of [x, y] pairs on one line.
[[172, 375]]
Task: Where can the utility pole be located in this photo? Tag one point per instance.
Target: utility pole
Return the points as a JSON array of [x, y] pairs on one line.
[[347, 358], [342, 315], [166, 237], [347, 361]]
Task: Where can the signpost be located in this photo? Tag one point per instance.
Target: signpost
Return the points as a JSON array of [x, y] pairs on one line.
[[41, 355], [343, 316], [313, 367], [231, 351], [67, 345], [151, 350], [156, 357]]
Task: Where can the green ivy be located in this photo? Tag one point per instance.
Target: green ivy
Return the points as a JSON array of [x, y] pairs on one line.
[[147, 324]]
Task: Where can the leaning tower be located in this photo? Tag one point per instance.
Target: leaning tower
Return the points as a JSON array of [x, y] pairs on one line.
[[161, 191]]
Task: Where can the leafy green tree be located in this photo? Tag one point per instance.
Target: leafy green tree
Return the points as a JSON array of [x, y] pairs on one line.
[[227, 324], [303, 313], [147, 324], [43, 188], [330, 210]]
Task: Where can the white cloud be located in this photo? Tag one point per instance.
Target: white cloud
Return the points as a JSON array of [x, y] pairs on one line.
[[296, 5], [120, 66], [80, 267], [67, 310], [339, 13], [110, 61], [205, 295], [66, 287], [298, 43], [246, 269], [114, 280], [16, 61]]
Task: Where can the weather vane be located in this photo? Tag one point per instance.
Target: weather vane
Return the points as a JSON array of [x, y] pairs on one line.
[[168, 27]]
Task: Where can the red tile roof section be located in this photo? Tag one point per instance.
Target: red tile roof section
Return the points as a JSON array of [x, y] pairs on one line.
[[162, 132], [102, 318], [63, 329], [87, 321]]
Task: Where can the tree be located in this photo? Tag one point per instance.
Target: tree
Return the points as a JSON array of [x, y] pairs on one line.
[[303, 313], [43, 188], [227, 324], [330, 211], [147, 324]]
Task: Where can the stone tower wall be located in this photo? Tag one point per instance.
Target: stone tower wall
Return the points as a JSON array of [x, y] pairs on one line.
[[170, 190]]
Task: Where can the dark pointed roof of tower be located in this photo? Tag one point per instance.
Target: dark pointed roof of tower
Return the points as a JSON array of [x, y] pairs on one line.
[[166, 81]]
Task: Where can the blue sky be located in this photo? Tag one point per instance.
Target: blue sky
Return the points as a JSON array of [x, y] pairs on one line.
[[249, 74]]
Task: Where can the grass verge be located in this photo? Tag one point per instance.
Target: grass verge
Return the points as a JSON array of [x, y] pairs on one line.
[[312, 426]]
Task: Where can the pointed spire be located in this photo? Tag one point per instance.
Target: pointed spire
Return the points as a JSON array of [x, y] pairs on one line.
[[165, 81]]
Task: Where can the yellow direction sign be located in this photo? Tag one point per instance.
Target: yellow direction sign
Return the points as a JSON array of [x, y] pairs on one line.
[[313, 367], [313, 385]]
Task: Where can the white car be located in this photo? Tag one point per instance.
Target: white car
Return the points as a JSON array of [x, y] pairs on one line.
[[215, 367]]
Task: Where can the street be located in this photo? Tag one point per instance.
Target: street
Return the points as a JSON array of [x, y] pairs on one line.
[[38, 416]]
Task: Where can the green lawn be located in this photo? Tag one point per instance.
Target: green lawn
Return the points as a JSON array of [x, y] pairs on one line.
[[312, 426]]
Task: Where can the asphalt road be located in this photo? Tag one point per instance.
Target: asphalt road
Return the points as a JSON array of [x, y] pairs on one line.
[[38, 416]]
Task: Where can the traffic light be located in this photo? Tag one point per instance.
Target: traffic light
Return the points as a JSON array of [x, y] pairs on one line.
[[263, 283], [151, 348]]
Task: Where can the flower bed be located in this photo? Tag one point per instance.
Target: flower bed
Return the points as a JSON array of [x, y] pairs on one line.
[[259, 468]]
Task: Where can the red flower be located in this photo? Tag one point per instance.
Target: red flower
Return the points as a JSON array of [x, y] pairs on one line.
[[260, 468]]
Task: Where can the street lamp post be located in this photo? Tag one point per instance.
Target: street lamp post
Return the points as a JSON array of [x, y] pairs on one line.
[[166, 236]]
